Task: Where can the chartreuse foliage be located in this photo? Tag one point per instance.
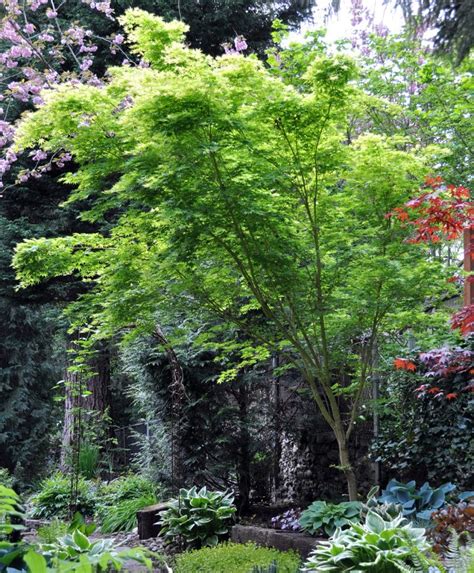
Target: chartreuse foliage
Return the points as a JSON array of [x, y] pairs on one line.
[[226, 186], [237, 558]]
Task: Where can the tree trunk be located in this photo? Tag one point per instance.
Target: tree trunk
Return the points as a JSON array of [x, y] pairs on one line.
[[345, 463], [89, 407], [178, 397], [243, 459]]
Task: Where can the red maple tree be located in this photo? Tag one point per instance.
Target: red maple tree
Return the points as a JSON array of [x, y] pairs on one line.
[[442, 213]]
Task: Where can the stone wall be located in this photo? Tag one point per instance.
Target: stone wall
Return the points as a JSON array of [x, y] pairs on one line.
[[308, 452]]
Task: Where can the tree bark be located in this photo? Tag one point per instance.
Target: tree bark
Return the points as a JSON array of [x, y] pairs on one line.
[[345, 463], [92, 405], [178, 397], [243, 461]]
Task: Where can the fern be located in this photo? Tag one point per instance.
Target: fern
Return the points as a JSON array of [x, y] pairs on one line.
[[460, 554]]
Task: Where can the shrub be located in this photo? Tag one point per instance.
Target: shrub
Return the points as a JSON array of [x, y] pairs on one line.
[[54, 497], [198, 517], [327, 517], [422, 437], [121, 499], [5, 478], [419, 503], [378, 545], [457, 519], [52, 531], [236, 558]]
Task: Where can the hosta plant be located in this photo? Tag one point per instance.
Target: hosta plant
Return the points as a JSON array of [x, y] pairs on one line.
[[386, 510], [99, 555], [377, 545], [198, 517], [419, 503], [323, 517]]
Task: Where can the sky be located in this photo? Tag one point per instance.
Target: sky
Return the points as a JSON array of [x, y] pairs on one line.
[[339, 25]]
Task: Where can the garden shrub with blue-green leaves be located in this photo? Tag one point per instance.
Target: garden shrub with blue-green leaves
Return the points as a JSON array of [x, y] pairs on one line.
[[378, 545], [323, 517], [419, 503], [198, 517], [236, 558], [120, 500], [54, 497]]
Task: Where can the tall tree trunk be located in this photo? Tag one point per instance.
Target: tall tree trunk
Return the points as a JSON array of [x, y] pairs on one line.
[[178, 397], [85, 397], [243, 459]]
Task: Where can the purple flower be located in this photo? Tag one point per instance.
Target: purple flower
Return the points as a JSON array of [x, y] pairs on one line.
[[240, 44], [86, 64], [38, 155]]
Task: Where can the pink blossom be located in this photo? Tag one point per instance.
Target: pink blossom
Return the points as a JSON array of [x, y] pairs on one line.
[[86, 64], [240, 44]]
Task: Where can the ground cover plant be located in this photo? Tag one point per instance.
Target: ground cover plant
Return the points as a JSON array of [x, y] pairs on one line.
[[237, 558], [119, 500], [73, 551], [53, 498]]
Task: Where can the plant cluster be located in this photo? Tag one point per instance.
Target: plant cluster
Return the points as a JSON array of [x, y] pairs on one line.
[[323, 517], [425, 416], [5, 478], [419, 503], [288, 520], [54, 497], [237, 558], [453, 519], [71, 552], [51, 531], [119, 500], [98, 555], [378, 545], [199, 517]]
